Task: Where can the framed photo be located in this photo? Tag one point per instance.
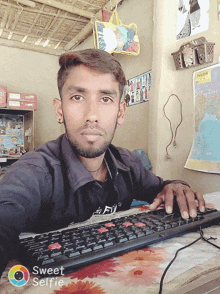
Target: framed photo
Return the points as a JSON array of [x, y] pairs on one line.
[[137, 89]]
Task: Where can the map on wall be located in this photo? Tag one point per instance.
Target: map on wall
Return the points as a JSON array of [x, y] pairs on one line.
[[192, 17], [205, 153]]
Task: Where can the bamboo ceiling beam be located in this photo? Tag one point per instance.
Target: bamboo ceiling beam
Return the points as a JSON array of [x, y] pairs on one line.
[[26, 3], [20, 45], [65, 16], [5, 17], [66, 7], [22, 34]]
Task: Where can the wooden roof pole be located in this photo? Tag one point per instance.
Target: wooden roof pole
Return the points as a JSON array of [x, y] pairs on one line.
[[66, 7], [26, 2]]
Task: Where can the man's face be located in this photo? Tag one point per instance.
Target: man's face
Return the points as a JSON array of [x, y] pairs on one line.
[[90, 109]]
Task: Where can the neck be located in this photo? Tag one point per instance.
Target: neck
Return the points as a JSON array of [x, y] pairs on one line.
[[96, 167]]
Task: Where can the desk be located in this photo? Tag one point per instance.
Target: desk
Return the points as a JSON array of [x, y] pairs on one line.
[[140, 271]]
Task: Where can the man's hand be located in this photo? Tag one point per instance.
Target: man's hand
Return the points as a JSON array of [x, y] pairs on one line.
[[186, 199]]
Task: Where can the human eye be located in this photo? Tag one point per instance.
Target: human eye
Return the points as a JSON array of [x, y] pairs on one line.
[[76, 97], [107, 99]]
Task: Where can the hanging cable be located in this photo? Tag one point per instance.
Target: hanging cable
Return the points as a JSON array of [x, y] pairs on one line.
[[173, 134], [168, 266]]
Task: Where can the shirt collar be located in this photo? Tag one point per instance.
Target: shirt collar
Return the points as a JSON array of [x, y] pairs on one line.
[[77, 172]]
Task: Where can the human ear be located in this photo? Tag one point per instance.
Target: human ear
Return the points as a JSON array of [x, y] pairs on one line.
[[121, 113], [57, 105]]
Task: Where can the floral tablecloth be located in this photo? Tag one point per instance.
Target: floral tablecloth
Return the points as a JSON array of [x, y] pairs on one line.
[[137, 271]]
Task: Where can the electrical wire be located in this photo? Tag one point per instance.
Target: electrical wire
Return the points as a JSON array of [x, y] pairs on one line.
[[168, 266], [173, 134]]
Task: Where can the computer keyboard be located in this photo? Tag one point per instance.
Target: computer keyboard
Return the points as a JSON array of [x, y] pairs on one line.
[[72, 248]]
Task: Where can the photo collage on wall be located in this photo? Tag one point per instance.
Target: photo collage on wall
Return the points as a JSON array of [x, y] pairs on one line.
[[137, 89]]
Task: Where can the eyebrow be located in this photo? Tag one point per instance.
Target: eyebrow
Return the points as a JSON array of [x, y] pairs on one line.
[[76, 88], [108, 92], [83, 90]]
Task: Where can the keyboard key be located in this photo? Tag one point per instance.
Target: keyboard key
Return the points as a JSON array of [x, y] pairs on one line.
[[54, 254], [122, 239], [127, 224], [132, 237], [86, 250], [107, 244], [97, 247], [102, 230], [54, 246], [109, 225], [72, 253], [47, 261]]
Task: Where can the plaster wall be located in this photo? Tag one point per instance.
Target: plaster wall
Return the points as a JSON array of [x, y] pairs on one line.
[[24, 71], [166, 81]]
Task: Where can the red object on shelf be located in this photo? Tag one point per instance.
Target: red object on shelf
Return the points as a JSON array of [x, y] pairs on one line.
[[21, 100]]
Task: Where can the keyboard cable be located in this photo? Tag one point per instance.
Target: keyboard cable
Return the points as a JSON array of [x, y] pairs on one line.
[[190, 244]]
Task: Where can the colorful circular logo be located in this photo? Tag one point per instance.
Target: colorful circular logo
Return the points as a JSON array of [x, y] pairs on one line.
[[18, 275]]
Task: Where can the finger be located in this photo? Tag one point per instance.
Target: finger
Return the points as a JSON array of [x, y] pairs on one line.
[[179, 195], [201, 201], [169, 198], [157, 202], [182, 202], [190, 197]]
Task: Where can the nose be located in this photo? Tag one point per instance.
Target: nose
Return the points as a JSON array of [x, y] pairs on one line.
[[92, 112]]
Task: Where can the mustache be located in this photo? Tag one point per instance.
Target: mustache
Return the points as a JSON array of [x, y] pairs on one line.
[[91, 129]]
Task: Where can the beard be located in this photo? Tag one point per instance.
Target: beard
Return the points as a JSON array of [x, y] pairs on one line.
[[89, 152]]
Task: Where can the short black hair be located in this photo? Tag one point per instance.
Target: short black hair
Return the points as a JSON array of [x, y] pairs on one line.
[[95, 59]]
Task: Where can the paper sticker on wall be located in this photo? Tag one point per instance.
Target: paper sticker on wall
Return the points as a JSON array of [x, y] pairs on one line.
[[203, 77], [138, 88], [192, 17]]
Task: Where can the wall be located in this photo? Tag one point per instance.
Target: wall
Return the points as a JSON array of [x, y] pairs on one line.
[[134, 132], [25, 71], [167, 80]]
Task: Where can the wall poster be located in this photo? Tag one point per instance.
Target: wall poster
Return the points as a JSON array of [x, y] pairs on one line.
[[138, 88], [218, 9], [192, 17], [205, 153]]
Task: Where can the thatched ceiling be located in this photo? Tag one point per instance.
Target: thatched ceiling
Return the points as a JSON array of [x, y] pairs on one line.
[[49, 26]]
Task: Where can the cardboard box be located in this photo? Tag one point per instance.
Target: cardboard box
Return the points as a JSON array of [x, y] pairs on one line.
[[29, 97], [21, 101], [3, 95], [21, 104], [21, 97]]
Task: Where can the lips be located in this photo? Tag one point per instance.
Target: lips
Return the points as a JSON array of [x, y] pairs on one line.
[[91, 135]]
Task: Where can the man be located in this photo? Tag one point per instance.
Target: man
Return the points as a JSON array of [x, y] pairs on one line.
[[81, 173]]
